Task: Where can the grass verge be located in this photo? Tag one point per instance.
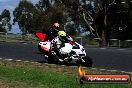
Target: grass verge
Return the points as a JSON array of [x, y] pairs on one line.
[[35, 75], [5, 38]]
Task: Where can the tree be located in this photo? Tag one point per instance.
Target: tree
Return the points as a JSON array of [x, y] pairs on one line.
[[104, 19], [2, 29], [70, 29], [48, 12], [129, 18], [111, 19], [23, 15], [5, 21]]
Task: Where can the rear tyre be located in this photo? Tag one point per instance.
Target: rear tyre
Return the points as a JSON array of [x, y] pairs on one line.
[[88, 62]]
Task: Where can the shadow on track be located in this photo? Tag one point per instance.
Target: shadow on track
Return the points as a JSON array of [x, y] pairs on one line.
[[63, 63]]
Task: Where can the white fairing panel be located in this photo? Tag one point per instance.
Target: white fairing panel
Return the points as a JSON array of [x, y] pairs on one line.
[[45, 45], [66, 49], [79, 51]]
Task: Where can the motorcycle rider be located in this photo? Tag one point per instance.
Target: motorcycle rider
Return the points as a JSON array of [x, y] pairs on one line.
[[59, 40], [53, 31], [58, 43]]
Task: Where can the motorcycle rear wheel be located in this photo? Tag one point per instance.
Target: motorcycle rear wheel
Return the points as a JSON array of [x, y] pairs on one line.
[[88, 62]]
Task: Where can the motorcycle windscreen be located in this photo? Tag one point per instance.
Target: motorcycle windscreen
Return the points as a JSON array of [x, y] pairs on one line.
[[41, 36]]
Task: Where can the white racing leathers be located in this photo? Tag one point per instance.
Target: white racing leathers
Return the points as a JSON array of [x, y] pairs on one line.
[[66, 49]]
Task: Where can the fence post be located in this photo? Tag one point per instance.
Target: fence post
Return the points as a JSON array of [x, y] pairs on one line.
[[114, 40], [119, 43], [6, 36]]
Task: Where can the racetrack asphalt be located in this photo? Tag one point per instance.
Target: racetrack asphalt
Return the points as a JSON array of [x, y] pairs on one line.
[[106, 58]]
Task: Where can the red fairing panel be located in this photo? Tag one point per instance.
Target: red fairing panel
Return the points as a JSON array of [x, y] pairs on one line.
[[41, 36], [72, 43]]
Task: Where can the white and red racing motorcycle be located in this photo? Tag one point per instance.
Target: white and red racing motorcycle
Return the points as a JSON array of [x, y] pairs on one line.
[[75, 53]]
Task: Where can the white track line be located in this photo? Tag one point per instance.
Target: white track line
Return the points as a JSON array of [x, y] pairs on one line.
[[69, 66], [18, 60], [8, 59]]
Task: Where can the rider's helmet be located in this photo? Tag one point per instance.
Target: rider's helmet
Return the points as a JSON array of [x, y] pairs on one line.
[[62, 35], [56, 26]]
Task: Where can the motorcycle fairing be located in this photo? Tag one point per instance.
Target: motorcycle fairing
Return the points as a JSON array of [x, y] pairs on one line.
[[45, 45], [40, 36], [44, 48], [72, 43]]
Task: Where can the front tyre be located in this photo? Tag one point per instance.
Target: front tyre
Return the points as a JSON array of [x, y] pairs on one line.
[[53, 58]]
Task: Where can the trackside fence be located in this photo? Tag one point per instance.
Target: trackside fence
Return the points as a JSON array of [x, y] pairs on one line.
[[85, 41]]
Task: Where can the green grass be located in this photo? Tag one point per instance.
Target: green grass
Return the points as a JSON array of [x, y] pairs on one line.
[[28, 75], [18, 39]]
